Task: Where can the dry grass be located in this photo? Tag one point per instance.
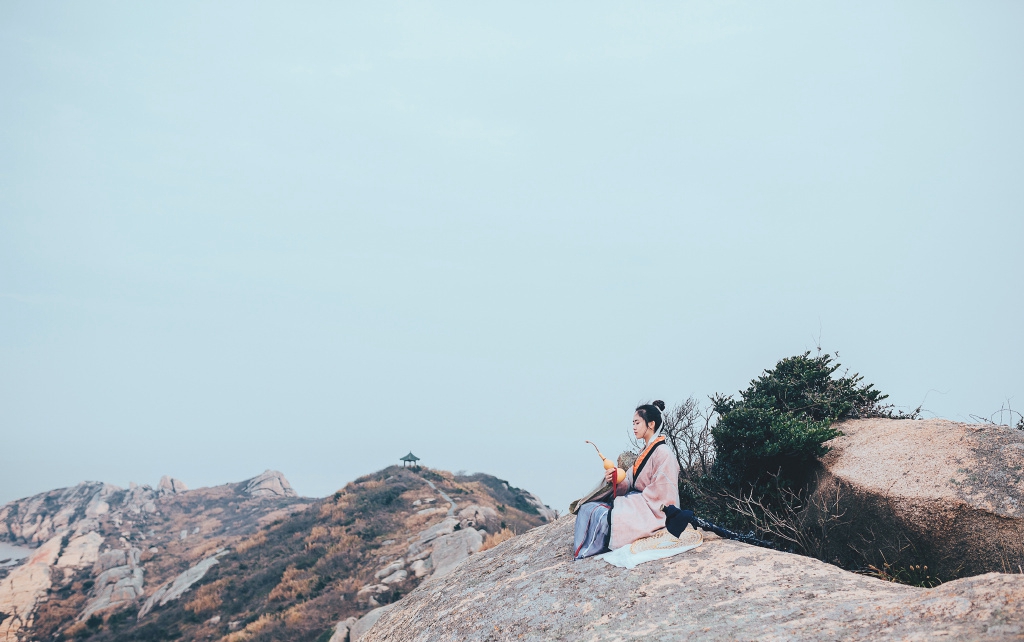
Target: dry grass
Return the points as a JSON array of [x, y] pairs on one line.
[[258, 539], [494, 539], [207, 598], [325, 536], [252, 629], [294, 584], [75, 630], [204, 549]]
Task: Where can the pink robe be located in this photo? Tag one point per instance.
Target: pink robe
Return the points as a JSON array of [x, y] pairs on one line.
[[639, 515]]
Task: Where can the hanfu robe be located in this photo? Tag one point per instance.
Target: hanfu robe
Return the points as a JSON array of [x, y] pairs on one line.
[[652, 482]]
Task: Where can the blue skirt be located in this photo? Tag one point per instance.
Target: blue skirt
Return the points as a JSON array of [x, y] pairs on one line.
[[593, 529]]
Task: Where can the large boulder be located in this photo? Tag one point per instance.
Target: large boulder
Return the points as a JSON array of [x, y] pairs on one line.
[[389, 569], [529, 588], [424, 541], [83, 550], [115, 587], [451, 550], [170, 486], [939, 493], [110, 559], [363, 624], [175, 588], [269, 484], [342, 629], [477, 516]]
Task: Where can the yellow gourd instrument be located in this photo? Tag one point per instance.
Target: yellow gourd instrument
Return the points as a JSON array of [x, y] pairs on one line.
[[620, 474]]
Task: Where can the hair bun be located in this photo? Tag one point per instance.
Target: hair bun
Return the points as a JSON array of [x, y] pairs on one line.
[[659, 404]]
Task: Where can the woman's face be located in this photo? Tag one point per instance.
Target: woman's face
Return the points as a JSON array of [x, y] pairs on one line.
[[641, 427]]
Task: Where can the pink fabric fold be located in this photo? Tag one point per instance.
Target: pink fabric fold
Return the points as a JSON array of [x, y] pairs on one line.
[[639, 515]]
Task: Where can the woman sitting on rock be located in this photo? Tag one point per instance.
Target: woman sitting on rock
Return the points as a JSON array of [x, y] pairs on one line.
[[636, 506], [634, 509]]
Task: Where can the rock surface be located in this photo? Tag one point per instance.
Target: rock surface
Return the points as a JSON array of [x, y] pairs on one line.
[[359, 629], [389, 569], [451, 550], [176, 588], [477, 516], [36, 519], [370, 590], [269, 484], [424, 541], [83, 550], [935, 492], [170, 486], [546, 512], [529, 588], [110, 559], [419, 568], [342, 629], [396, 577], [25, 586], [116, 586]]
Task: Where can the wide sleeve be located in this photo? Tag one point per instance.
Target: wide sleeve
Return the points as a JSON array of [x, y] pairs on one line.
[[663, 488], [639, 515], [626, 484]]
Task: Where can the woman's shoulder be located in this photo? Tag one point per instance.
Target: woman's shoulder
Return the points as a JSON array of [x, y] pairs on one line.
[[663, 455]]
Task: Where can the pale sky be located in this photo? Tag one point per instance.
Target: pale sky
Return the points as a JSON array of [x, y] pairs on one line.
[[314, 237]]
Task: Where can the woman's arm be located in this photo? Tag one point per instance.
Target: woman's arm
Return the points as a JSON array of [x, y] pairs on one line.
[[624, 485]]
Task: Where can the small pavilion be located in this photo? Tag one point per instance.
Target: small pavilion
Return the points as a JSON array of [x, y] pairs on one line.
[[410, 459]]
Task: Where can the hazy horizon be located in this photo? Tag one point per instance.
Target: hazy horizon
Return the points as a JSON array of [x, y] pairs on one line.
[[315, 238]]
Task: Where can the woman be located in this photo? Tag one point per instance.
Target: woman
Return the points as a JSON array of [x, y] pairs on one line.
[[635, 508]]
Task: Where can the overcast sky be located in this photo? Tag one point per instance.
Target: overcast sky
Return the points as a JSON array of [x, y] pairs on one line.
[[315, 237]]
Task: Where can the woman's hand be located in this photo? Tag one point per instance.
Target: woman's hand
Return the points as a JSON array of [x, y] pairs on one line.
[[609, 476]]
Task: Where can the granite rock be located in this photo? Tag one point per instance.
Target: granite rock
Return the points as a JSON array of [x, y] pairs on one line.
[[341, 630], [34, 520], [269, 484], [170, 486], [364, 623], [529, 588], [389, 569], [396, 577], [477, 516], [946, 494], [81, 551], [420, 568], [24, 587], [451, 550], [175, 588], [426, 537], [115, 587]]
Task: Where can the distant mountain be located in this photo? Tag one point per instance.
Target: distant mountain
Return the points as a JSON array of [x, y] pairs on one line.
[[245, 561]]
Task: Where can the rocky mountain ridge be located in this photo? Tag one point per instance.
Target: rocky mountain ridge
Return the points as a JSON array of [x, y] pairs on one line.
[[102, 545], [245, 561]]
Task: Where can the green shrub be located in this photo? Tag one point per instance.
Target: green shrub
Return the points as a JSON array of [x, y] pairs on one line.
[[781, 422], [754, 442]]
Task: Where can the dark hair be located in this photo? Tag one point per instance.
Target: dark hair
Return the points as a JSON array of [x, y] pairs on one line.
[[652, 412]]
